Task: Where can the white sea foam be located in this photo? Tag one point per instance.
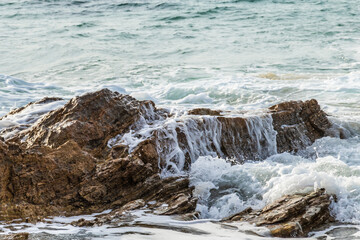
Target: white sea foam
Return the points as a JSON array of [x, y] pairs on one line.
[[181, 139], [31, 114], [15, 93], [141, 130], [159, 227], [199, 133], [227, 92], [224, 189], [27, 116], [196, 99]]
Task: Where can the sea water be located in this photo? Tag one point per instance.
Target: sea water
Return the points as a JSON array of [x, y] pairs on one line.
[[235, 55]]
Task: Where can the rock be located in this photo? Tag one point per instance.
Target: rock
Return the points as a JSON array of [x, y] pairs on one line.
[[204, 111], [138, 203], [292, 215], [62, 164], [298, 124], [177, 204], [247, 138], [90, 121], [108, 218], [72, 160], [42, 176], [188, 216], [16, 236], [289, 127]]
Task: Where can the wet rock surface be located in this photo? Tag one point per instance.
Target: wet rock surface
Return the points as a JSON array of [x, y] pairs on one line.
[[292, 215], [287, 127], [74, 159], [204, 111], [298, 124], [17, 236], [62, 164]]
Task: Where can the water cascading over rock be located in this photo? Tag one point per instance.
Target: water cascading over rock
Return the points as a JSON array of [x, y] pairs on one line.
[[103, 150]]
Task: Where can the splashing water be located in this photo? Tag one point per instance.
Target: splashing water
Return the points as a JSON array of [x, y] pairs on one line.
[[183, 138], [225, 189]]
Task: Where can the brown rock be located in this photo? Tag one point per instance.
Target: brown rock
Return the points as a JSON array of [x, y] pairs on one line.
[[204, 111], [64, 164], [177, 204], [292, 215], [291, 126], [171, 196], [108, 218], [90, 120], [16, 236], [298, 124]]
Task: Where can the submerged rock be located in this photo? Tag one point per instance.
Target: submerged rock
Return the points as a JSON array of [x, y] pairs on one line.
[[104, 150], [292, 215]]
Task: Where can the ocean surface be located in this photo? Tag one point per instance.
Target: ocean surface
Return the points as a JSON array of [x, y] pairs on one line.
[[236, 55]]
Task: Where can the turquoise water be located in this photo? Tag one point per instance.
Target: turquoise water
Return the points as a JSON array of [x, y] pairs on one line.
[[231, 55], [182, 52]]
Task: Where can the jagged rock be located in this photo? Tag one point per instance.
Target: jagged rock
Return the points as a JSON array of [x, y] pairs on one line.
[[298, 124], [90, 120], [124, 212], [62, 165], [108, 218], [71, 161], [295, 125], [292, 215]]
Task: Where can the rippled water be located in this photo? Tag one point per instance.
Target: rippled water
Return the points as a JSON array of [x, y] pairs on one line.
[[226, 54], [183, 52]]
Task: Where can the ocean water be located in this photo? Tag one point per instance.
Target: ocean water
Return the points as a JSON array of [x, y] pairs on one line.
[[236, 55]]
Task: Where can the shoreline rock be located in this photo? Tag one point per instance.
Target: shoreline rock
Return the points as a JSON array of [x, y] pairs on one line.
[[292, 215], [74, 160]]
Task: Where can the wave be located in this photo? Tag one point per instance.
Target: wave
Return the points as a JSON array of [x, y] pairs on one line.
[[224, 189]]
